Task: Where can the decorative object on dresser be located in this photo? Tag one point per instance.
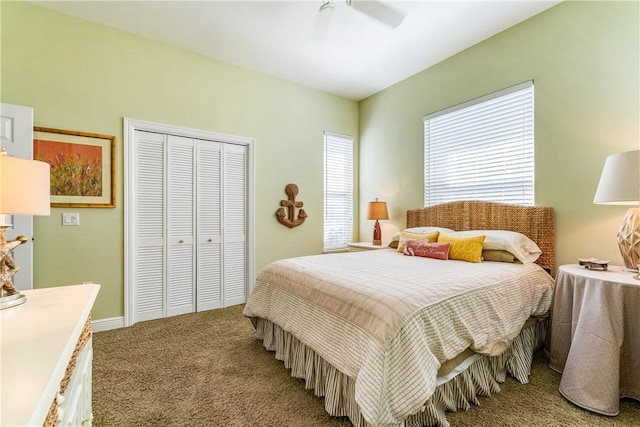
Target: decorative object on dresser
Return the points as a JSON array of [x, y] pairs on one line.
[[83, 167], [24, 190], [620, 185], [291, 204], [377, 210]]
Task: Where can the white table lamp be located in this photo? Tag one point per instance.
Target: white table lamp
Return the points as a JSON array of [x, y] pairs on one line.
[[24, 190], [620, 185]]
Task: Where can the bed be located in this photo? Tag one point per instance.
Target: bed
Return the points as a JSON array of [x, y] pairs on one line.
[[394, 340]]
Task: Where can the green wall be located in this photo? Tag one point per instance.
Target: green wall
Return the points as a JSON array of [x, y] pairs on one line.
[[584, 60], [86, 77]]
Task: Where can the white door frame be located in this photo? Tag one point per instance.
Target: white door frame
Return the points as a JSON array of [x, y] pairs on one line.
[[130, 127]]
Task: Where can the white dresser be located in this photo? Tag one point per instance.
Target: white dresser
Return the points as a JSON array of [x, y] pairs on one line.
[[45, 360]]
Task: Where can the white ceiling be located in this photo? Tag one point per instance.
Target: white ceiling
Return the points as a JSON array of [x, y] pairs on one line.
[[341, 51]]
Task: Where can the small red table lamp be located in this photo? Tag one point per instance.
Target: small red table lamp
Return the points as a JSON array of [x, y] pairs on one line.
[[377, 210]]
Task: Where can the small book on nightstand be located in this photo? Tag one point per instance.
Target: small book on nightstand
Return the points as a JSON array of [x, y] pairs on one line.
[[594, 263]]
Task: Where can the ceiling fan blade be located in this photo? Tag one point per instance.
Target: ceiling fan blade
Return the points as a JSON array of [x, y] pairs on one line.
[[322, 22], [378, 11]]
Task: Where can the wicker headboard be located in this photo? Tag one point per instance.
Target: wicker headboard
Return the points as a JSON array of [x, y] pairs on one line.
[[536, 222]]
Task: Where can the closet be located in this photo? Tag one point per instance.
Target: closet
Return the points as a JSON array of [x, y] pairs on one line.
[[187, 224]]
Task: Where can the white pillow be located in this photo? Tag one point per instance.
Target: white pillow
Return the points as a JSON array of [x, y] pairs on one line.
[[421, 230], [522, 247]]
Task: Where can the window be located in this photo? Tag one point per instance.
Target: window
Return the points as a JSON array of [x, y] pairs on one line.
[[482, 149], [338, 191]]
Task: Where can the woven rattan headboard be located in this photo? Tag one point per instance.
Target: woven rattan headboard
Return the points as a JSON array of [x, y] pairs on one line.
[[536, 222]]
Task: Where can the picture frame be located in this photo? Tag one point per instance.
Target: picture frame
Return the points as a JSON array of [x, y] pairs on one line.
[[82, 167]]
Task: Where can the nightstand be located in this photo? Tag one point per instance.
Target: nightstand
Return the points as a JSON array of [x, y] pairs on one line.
[[365, 246], [595, 337]]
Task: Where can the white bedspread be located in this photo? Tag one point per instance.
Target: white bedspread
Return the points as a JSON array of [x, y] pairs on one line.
[[389, 320]]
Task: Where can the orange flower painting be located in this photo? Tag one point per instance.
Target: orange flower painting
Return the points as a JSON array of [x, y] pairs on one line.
[[76, 169], [82, 166]]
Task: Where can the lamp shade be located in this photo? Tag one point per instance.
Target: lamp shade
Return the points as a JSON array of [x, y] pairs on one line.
[[24, 186], [377, 210], [620, 180]]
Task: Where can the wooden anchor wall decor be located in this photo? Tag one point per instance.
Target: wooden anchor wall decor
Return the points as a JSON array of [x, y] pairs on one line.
[[290, 220]]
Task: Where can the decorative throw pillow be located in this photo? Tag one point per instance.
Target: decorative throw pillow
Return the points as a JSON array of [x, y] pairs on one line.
[[463, 248], [524, 249], [497, 255], [405, 235], [421, 230], [425, 249]]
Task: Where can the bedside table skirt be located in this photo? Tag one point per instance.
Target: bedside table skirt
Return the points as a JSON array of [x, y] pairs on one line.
[[595, 338]]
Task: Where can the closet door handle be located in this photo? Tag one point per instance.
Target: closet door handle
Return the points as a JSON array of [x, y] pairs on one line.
[[180, 241], [210, 240]]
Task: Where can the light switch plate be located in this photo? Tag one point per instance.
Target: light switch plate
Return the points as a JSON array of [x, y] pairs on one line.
[[70, 218]]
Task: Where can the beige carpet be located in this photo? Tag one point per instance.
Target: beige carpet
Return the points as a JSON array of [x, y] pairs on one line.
[[208, 369]]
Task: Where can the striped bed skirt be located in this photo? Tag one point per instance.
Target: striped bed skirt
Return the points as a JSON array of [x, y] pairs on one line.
[[481, 377]]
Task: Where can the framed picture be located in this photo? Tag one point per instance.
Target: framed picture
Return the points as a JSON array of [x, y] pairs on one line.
[[82, 167]]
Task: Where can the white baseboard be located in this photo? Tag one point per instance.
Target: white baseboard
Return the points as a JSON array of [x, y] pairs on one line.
[[107, 324]]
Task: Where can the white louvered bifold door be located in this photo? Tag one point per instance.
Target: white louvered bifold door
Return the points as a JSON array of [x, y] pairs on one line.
[[188, 219], [209, 223], [149, 226], [180, 226], [234, 224]]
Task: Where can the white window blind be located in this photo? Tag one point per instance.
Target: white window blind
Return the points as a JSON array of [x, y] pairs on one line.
[[482, 149], [338, 191]]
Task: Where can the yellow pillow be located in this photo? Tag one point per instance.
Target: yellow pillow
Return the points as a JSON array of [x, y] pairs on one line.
[[406, 235], [468, 248]]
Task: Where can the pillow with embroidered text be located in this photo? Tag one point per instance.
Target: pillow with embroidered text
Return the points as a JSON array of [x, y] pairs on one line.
[[425, 249], [463, 248]]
